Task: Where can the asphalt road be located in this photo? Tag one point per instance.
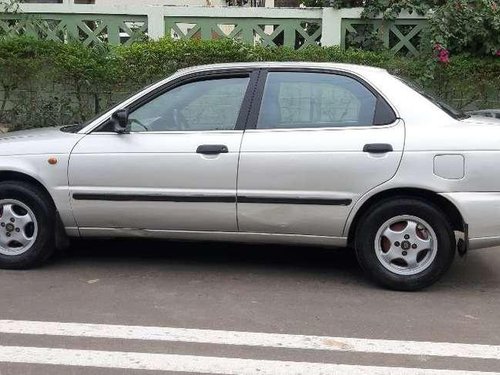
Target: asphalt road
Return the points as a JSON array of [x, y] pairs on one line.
[[286, 292]]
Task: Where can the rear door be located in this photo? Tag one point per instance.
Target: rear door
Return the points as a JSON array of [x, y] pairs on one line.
[[317, 142]]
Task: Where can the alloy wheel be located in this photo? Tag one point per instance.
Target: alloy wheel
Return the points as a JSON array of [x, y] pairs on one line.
[[406, 245], [18, 227]]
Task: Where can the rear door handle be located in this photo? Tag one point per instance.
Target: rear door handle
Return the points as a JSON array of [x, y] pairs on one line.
[[377, 148], [212, 149]]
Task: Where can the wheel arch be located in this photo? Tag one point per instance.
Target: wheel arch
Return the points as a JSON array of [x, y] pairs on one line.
[[445, 205], [6, 175]]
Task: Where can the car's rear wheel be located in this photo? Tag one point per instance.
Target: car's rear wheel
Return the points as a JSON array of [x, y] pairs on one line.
[[27, 220], [405, 244]]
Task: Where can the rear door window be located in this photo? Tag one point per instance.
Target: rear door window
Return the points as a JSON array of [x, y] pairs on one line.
[[315, 100]]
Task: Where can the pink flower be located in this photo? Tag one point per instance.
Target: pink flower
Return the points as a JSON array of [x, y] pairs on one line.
[[442, 54], [498, 53]]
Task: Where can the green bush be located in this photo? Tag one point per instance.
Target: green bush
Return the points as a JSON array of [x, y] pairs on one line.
[[45, 83], [471, 26]]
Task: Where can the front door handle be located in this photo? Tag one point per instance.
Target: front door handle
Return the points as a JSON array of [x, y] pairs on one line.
[[377, 148], [212, 149]]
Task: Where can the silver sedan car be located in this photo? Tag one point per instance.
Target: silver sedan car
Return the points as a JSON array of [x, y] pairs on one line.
[[318, 154]]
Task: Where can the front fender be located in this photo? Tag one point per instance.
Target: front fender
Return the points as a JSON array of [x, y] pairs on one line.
[[53, 177]]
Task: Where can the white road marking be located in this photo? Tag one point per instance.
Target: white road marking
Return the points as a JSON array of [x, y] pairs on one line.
[[346, 344], [199, 364]]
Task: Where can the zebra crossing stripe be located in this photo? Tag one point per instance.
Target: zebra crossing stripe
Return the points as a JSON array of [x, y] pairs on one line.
[[200, 364], [345, 344]]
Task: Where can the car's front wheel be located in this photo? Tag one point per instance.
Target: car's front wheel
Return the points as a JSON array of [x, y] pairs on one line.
[[26, 225], [405, 244]]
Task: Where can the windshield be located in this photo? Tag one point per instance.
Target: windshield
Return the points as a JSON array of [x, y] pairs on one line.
[[450, 110], [75, 128]]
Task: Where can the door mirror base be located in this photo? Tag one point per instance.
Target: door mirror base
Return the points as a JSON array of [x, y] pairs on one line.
[[120, 121]]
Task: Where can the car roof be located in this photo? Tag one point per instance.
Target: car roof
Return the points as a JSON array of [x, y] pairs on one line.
[[357, 69]]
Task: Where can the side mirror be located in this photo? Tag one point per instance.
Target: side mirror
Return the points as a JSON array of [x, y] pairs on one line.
[[120, 121]]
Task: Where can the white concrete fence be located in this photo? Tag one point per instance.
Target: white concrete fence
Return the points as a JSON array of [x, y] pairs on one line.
[[124, 23]]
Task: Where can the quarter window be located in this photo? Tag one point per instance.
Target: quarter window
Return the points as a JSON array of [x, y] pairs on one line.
[[197, 106], [314, 100]]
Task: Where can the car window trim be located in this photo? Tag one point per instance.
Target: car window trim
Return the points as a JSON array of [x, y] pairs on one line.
[[252, 74], [259, 95]]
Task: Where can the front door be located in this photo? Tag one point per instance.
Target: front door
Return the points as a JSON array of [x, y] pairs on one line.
[[176, 168], [321, 140]]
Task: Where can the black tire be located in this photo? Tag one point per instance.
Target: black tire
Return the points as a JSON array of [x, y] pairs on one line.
[[372, 221], [43, 209]]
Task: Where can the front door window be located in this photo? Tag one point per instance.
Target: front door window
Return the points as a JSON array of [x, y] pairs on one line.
[[196, 106]]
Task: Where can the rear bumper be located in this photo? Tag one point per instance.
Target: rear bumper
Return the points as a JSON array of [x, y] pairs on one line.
[[481, 211]]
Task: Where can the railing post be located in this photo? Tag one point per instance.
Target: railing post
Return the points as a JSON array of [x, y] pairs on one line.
[[331, 24], [156, 22]]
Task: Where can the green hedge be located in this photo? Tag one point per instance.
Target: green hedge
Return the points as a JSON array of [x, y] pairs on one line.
[[46, 83]]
